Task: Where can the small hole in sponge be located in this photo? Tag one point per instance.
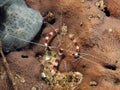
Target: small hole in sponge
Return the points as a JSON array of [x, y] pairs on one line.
[[107, 12], [52, 21], [117, 81], [24, 56], [38, 54], [83, 66], [111, 67]]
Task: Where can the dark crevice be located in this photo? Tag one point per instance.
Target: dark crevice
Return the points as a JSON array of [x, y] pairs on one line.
[[52, 21], [37, 37], [2, 15], [2, 18], [24, 56], [117, 81], [106, 11], [111, 67], [83, 66], [38, 54]]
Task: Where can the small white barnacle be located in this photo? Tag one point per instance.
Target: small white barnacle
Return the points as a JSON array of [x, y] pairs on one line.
[[43, 75], [110, 30], [47, 38], [47, 57]]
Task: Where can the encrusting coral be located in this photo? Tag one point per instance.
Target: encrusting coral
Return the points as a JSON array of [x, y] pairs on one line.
[[54, 78]]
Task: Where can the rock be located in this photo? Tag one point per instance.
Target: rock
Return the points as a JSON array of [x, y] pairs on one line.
[[6, 3], [20, 24]]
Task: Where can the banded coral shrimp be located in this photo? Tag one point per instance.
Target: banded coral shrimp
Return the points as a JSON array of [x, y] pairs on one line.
[[52, 63], [60, 50], [65, 50]]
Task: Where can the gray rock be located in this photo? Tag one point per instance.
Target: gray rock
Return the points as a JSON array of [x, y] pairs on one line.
[[21, 22], [7, 3]]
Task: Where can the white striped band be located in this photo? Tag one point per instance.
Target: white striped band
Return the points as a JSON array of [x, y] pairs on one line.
[[76, 54], [51, 33], [60, 54], [56, 64], [46, 44], [47, 38], [74, 41], [77, 47]]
